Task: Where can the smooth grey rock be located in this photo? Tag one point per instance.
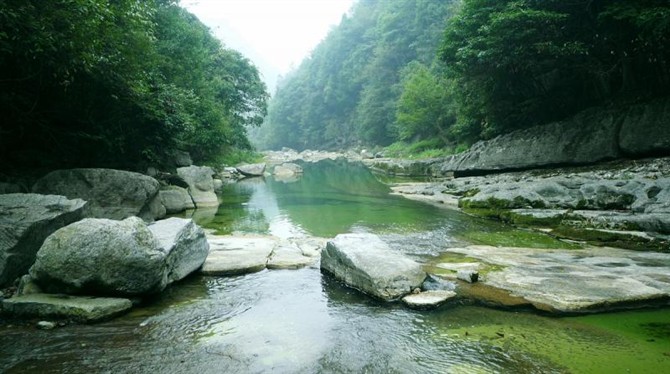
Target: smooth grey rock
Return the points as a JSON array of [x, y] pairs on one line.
[[588, 137], [74, 308], [365, 262], [576, 281], [175, 199], [434, 283], [182, 158], [200, 185], [288, 257], [252, 170], [287, 169], [218, 184], [102, 257], [113, 194], [185, 244], [427, 299], [424, 167], [235, 255], [470, 276], [646, 129], [25, 222]]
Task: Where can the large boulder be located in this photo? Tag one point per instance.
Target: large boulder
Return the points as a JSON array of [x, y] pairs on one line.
[[200, 185], [185, 244], [366, 263], [102, 257], [233, 255], [252, 170], [646, 129], [586, 138], [287, 169], [113, 194], [25, 221], [175, 199], [71, 308], [182, 158]]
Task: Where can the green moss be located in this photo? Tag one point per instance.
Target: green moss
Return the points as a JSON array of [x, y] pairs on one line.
[[471, 192], [518, 238]]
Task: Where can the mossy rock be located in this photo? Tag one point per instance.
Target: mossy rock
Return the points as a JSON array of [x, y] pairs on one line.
[[612, 239], [518, 238]]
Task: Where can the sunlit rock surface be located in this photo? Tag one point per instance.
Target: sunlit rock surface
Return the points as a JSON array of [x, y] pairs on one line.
[[572, 281], [184, 243], [200, 185], [428, 299], [365, 262]]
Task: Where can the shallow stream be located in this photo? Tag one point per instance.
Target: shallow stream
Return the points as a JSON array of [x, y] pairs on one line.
[[300, 321]]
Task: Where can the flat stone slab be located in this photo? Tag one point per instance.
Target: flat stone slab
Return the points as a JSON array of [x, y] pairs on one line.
[[74, 308], [237, 255], [288, 257], [366, 263], [577, 281], [428, 299]]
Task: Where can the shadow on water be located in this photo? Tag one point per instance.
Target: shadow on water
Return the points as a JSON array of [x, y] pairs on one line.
[[302, 321]]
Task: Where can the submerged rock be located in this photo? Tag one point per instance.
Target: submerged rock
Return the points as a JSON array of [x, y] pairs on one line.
[[113, 194], [26, 220], [72, 308], [428, 299], [200, 185], [185, 245], [102, 257], [365, 262]]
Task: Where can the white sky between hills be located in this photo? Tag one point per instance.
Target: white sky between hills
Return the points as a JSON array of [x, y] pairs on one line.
[[276, 35]]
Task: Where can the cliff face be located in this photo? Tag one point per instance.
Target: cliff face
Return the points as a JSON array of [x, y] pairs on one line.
[[594, 135]]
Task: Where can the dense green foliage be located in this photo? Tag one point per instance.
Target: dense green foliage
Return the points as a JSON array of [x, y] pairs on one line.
[[347, 92], [118, 84], [520, 63], [503, 65]]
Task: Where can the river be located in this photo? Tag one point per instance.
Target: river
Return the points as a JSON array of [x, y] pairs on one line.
[[300, 321]]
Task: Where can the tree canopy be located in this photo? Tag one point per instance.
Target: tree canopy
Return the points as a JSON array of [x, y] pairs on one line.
[[118, 84]]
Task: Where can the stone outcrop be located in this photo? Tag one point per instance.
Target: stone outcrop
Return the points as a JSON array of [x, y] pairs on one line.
[[184, 243], [576, 281], [175, 199], [407, 168], [287, 169], [113, 194], [64, 307], [26, 220], [252, 170], [200, 185], [102, 257], [366, 263]]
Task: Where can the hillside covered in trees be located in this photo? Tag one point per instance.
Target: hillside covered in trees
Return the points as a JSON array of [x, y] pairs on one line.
[[445, 74], [118, 84]]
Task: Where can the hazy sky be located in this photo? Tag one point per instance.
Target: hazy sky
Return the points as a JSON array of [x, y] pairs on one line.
[[274, 34]]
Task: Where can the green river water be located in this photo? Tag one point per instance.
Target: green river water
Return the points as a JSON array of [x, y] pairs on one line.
[[300, 321]]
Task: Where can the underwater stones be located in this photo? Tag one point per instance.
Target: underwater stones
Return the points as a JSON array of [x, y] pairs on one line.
[[66, 307], [428, 299], [366, 263]]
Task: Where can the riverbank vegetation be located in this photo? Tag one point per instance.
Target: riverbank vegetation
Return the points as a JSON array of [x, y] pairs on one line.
[[450, 73], [118, 84]]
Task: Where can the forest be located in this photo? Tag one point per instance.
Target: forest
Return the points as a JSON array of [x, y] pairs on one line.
[[118, 84], [436, 76]]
